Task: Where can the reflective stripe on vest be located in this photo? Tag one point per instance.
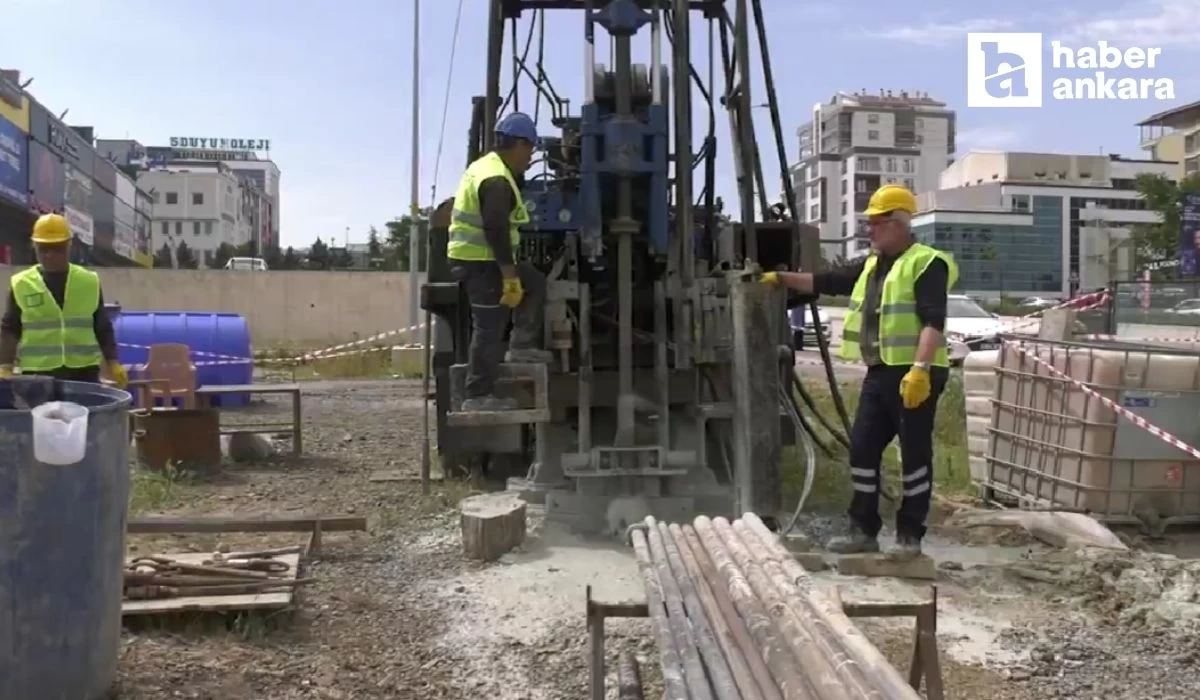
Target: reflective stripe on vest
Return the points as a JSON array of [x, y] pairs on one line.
[[466, 240], [899, 325], [54, 337]]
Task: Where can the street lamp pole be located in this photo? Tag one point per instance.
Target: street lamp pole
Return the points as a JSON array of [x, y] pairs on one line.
[[414, 231]]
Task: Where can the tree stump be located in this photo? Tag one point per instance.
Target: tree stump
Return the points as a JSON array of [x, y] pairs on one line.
[[492, 524]]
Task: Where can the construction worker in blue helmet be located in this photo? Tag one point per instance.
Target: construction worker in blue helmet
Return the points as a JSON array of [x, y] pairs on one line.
[[484, 237]]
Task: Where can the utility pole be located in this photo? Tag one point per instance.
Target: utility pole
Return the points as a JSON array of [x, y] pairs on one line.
[[414, 231]]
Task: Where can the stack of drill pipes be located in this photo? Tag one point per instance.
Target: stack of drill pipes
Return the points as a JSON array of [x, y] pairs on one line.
[[683, 629], [823, 635], [675, 687], [665, 550], [789, 675], [805, 596], [820, 670], [751, 672]]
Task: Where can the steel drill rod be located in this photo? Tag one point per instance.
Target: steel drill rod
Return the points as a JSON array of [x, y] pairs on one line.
[[675, 687], [719, 671], [785, 669], [868, 658], [731, 644], [629, 678], [818, 668], [686, 636], [819, 636]]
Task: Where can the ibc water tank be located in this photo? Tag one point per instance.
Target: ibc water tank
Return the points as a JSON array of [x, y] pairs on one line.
[[217, 340], [62, 548]]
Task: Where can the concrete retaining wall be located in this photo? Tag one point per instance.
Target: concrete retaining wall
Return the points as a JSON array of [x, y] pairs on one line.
[[294, 308]]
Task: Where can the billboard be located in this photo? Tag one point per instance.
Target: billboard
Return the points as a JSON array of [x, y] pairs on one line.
[[1189, 236], [77, 203], [61, 139], [47, 182], [14, 104], [14, 163], [124, 242]]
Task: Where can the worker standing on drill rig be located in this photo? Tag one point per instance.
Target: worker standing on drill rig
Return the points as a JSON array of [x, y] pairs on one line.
[[55, 320], [894, 324], [484, 236]]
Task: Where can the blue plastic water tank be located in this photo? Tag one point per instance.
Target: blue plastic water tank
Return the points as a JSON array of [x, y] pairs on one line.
[[62, 552], [203, 332]]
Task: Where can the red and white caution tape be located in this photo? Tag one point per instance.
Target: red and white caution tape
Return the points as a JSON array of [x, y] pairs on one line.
[[1083, 302], [1121, 410], [358, 343], [1152, 339]]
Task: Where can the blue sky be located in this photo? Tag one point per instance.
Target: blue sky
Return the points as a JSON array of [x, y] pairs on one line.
[[329, 82]]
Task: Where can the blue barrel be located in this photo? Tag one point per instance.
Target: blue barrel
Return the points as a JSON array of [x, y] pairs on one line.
[[62, 549], [206, 333]]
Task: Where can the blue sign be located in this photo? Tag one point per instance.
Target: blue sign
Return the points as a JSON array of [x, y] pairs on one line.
[[14, 163], [1189, 236]]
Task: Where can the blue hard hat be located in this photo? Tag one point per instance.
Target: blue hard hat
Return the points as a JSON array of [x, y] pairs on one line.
[[518, 125]]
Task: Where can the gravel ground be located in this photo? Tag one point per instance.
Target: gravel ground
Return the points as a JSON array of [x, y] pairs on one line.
[[396, 612]]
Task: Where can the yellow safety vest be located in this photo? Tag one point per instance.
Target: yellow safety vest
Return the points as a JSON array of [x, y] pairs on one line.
[[466, 225], [53, 337], [899, 325]]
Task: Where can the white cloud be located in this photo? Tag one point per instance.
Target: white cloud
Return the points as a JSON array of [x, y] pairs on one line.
[[939, 33], [999, 138], [1145, 23], [1136, 22]]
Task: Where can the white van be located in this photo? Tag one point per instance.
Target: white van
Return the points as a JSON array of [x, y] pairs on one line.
[[256, 264]]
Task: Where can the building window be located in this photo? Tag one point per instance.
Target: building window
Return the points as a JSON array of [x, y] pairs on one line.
[[910, 184], [814, 190], [890, 165], [868, 163], [843, 190], [907, 165], [872, 135], [172, 198], [1020, 202], [197, 198], [178, 228], [208, 228], [1191, 165], [843, 226], [195, 228], [813, 212], [920, 123], [166, 228], [843, 167], [872, 118], [919, 139], [843, 208]]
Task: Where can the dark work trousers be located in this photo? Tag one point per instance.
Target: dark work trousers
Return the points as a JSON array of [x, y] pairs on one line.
[[489, 319], [881, 417], [82, 374]]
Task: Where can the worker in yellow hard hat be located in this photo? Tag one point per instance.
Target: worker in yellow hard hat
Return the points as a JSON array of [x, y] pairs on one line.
[[894, 324], [55, 323]]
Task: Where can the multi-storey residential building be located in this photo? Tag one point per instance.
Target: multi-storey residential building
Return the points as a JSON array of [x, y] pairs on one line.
[[857, 142], [1174, 135], [1037, 223], [202, 208]]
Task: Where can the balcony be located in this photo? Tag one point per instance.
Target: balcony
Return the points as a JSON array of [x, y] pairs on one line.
[[1151, 134]]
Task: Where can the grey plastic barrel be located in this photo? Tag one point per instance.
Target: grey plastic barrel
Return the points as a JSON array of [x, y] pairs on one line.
[[62, 548]]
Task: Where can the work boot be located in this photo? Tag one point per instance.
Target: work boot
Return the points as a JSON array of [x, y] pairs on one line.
[[529, 355], [856, 542], [906, 548], [479, 404]]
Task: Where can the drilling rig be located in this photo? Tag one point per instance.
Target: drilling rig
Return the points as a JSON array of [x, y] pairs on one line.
[[671, 393]]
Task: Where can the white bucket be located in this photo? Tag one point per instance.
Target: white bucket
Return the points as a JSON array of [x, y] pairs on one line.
[[60, 433]]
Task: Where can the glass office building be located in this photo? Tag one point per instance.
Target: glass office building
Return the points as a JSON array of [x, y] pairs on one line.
[[1016, 257]]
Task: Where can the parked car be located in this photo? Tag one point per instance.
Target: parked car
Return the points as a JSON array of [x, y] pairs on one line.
[[257, 264], [802, 324], [1033, 303], [1187, 307], [968, 322]]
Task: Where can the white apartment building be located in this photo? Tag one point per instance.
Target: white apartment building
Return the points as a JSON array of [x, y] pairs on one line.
[[858, 142], [1023, 224], [203, 208]]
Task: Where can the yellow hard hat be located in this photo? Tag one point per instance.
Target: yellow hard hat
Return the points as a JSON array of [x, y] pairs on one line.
[[51, 228], [891, 198]]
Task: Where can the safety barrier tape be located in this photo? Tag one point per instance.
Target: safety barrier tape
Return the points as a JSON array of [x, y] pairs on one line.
[[1132, 417], [1096, 299], [1152, 339]]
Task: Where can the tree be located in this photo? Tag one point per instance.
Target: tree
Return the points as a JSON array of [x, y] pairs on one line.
[[290, 260], [318, 255], [375, 253], [185, 258], [399, 233], [342, 259], [1158, 242], [272, 257], [222, 255], [249, 249], [163, 257]]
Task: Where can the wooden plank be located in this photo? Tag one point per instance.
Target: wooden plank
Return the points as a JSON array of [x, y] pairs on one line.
[[389, 475], [249, 389], [156, 524], [216, 603]]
